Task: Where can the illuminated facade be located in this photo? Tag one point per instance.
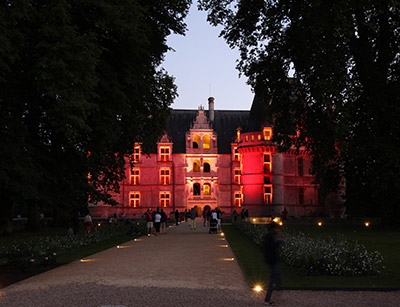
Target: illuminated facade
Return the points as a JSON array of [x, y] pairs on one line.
[[217, 159]]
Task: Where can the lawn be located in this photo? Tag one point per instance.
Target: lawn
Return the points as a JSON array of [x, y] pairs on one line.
[[387, 242]]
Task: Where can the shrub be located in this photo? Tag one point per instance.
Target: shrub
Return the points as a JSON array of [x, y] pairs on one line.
[[318, 256]]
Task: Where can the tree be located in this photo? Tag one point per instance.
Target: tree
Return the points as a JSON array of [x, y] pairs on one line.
[[79, 84], [344, 99]]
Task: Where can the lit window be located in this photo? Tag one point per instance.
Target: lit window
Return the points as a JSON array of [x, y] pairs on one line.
[[268, 194], [301, 196], [135, 176], [237, 175], [267, 133], [236, 155], [196, 189], [196, 141], [300, 166], [134, 199], [206, 141], [206, 189], [165, 175], [165, 153], [136, 153], [252, 137], [267, 163], [165, 199], [196, 166], [207, 167], [238, 199]]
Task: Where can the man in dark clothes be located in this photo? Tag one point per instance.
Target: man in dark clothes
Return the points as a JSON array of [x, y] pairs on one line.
[[270, 248]]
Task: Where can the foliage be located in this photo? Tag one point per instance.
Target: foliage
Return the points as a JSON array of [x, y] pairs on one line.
[[43, 249], [344, 97], [79, 84], [319, 256]]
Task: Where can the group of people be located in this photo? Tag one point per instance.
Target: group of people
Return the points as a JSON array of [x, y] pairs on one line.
[[156, 222]]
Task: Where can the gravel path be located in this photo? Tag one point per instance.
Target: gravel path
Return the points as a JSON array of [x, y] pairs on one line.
[[182, 268]]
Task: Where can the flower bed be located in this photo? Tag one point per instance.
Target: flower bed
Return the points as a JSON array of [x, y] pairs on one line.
[[320, 256], [44, 249]]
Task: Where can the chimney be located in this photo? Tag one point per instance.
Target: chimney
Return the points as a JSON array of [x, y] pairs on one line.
[[211, 109]]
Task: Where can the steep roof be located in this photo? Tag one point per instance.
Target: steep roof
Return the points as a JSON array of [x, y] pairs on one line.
[[225, 124]]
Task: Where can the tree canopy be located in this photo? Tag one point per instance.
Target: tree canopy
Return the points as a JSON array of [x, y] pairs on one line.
[[80, 84], [344, 95]]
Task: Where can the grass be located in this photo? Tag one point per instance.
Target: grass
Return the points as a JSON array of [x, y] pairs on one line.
[[385, 241]]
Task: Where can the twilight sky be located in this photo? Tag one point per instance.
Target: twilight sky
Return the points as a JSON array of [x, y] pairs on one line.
[[203, 65]]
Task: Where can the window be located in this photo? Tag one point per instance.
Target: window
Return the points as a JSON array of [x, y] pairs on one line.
[[135, 176], [165, 199], [196, 141], [267, 133], [300, 166], [196, 166], [207, 167], [268, 194], [196, 189], [134, 199], [237, 176], [238, 199], [136, 153], [206, 141], [236, 155], [206, 189], [301, 196], [267, 163], [165, 153], [165, 175]]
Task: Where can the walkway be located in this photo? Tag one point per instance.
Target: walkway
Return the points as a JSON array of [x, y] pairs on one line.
[[183, 268]]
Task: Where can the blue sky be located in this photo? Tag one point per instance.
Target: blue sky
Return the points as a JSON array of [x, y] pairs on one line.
[[203, 65]]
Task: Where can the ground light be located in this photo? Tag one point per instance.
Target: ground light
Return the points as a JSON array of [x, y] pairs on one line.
[[222, 234], [257, 288], [366, 224], [319, 223]]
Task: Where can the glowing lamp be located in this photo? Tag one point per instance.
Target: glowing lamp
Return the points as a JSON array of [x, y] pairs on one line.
[[319, 223], [366, 224], [99, 224], [254, 220], [280, 223], [257, 288], [228, 259], [276, 220], [222, 234]]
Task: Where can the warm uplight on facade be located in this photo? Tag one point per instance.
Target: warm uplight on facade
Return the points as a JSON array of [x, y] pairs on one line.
[[319, 223], [257, 288], [366, 224]]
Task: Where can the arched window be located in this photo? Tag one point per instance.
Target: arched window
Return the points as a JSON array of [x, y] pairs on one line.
[[206, 189], [196, 166], [206, 166], [196, 141], [206, 141], [196, 189]]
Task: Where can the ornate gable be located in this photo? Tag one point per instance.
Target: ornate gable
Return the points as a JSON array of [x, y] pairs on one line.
[[201, 121]]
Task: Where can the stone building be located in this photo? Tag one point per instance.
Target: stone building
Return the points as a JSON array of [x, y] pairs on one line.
[[218, 158]]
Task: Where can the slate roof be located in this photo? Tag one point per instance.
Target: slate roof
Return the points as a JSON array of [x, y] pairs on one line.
[[225, 124]]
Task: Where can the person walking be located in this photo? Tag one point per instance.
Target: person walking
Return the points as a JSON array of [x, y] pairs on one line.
[[157, 221], [149, 220], [271, 246], [163, 222], [176, 217], [88, 222], [193, 215], [234, 215]]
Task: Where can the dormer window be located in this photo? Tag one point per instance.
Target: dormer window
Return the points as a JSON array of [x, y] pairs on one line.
[[165, 153], [206, 141], [196, 141]]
